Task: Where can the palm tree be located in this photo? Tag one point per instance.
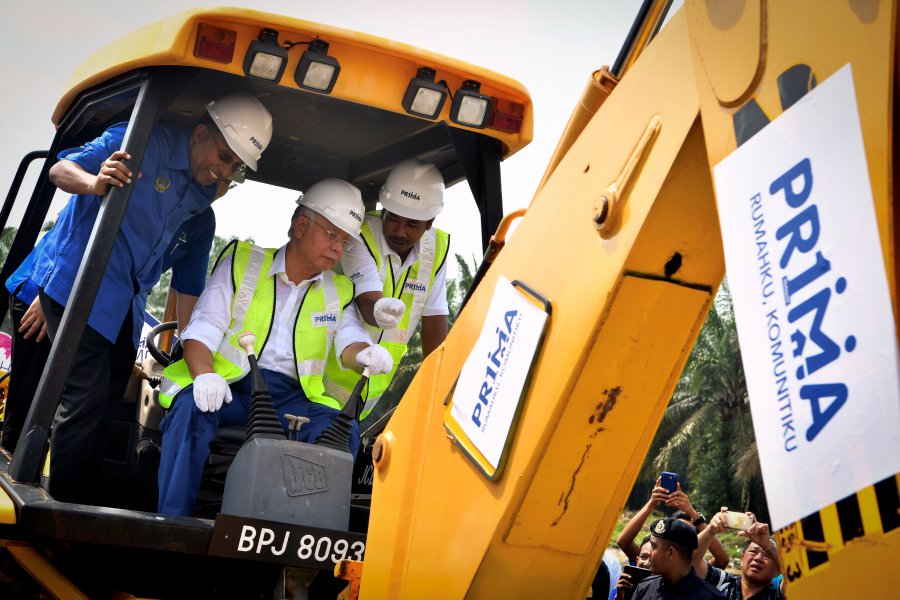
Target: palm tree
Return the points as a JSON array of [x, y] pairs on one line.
[[707, 432]]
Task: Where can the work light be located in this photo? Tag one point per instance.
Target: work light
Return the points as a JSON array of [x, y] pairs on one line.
[[265, 59], [424, 97], [317, 71], [470, 107]]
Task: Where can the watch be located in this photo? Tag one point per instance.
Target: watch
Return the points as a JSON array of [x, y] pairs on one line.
[[700, 519]]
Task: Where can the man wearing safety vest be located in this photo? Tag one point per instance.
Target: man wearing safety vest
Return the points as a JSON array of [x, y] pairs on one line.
[[400, 274], [298, 310]]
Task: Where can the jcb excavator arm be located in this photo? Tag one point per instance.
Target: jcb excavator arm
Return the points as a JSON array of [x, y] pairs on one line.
[[624, 240]]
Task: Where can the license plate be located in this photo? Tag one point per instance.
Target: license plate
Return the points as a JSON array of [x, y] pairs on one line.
[[292, 545]]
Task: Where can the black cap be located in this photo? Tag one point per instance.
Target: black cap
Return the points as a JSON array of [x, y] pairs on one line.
[[674, 531]]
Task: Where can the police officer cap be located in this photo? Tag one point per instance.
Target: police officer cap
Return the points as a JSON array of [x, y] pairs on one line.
[[674, 531]]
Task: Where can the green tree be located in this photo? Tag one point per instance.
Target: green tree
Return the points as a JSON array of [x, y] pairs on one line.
[[706, 434], [156, 302]]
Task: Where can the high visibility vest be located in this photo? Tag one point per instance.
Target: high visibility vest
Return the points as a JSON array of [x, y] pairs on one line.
[[412, 287], [253, 308]]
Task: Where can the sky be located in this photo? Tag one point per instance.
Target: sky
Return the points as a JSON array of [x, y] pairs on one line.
[[550, 47]]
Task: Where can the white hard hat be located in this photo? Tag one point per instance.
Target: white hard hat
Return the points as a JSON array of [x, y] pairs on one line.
[[414, 190], [339, 202], [245, 123]]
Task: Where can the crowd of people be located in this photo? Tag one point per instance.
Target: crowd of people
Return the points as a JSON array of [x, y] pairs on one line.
[[681, 557], [340, 299]]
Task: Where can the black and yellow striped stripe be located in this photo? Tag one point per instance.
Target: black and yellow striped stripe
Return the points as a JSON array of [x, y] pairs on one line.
[[808, 545]]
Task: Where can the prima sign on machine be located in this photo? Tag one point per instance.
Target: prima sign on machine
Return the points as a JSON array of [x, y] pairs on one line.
[[812, 303]]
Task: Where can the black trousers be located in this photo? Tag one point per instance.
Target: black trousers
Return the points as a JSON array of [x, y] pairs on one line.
[[87, 406], [28, 360]]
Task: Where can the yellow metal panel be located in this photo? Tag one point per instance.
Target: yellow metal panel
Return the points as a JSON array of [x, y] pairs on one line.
[[868, 508], [44, 572], [446, 527], [825, 36], [374, 71], [740, 25], [7, 509]]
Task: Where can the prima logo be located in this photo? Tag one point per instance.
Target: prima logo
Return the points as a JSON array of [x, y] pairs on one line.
[[415, 286], [356, 215], [494, 368], [256, 143], [324, 319], [411, 195]]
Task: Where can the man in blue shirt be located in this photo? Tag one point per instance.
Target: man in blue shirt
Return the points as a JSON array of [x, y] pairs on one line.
[[177, 181], [187, 256]]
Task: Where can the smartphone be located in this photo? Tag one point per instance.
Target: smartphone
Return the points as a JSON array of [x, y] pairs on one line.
[[737, 520], [668, 481], [637, 575]]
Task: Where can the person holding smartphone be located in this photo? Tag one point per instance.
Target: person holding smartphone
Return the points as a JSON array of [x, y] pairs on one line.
[[674, 498], [759, 562]]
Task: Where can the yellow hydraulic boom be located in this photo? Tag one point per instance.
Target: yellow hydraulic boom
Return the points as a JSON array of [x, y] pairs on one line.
[[623, 238]]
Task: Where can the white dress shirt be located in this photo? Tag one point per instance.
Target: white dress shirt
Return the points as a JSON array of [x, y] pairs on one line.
[[360, 267], [212, 316]]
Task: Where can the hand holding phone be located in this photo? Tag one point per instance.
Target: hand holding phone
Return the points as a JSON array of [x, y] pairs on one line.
[[669, 481], [738, 520]]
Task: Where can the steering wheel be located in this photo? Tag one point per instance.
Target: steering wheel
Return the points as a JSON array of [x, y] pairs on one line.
[[161, 357]]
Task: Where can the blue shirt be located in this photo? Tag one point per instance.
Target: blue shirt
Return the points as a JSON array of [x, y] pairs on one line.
[[162, 200], [187, 256]]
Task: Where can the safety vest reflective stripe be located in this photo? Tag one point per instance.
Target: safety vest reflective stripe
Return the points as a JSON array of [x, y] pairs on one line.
[[310, 367], [424, 279], [244, 294], [332, 305]]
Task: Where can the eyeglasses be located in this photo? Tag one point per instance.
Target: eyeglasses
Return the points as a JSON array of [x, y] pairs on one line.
[[228, 157], [334, 237]]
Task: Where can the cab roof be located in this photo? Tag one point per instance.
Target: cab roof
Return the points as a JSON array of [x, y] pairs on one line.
[[357, 132]]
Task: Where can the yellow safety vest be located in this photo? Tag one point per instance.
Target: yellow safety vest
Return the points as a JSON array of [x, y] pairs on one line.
[[252, 309], [412, 287]]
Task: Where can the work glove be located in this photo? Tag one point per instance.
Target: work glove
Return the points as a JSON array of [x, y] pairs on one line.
[[377, 359], [388, 312], [210, 390]]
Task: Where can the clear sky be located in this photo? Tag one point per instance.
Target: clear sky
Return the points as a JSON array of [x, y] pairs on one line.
[[550, 47]]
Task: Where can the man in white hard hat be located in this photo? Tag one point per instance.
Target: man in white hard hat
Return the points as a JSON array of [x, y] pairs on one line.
[[297, 308], [400, 274], [178, 179]]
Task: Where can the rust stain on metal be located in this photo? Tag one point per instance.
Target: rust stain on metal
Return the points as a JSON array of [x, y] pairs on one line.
[[564, 499], [606, 404]]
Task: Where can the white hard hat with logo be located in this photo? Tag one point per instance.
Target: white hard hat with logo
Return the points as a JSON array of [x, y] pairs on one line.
[[339, 202], [245, 123], [414, 190]]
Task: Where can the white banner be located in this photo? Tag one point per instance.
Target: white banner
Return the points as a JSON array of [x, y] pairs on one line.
[[490, 384], [812, 304]]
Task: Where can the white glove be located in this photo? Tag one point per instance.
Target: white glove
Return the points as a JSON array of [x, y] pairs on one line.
[[388, 312], [377, 359], [210, 390]]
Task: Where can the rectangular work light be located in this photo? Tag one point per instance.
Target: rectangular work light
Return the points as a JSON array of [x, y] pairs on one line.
[[424, 97], [470, 107], [265, 59], [317, 71]]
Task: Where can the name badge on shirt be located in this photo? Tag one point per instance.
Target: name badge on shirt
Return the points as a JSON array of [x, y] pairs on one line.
[[324, 319], [414, 287]]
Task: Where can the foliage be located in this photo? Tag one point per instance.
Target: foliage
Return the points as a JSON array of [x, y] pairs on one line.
[[156, 302], [706, 434]]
